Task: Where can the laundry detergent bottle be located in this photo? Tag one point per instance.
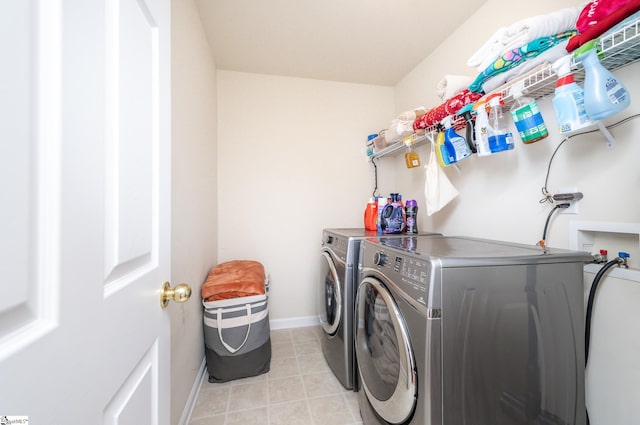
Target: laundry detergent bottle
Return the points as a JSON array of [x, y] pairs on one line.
[[604, 94], [456, 144], [568, 100], [371, 215]]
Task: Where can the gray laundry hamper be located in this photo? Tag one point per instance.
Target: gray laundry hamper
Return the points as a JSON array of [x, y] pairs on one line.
[[236, 325]]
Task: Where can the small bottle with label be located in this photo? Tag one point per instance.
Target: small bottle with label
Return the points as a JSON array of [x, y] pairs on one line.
[[527, 118], [411, 211], [411, 158]]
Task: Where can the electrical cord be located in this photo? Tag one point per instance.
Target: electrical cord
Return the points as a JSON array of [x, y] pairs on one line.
[[543, 241], [547, 197], [375, 178]]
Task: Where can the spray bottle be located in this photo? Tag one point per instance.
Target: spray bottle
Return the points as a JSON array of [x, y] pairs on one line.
[[482, 128], [456, 144], [445, 158], [499, 138], [470, 132], [568, 100], [604, 95]]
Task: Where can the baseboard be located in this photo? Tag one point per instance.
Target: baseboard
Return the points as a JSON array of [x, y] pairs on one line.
[[294, 322], [193, 395]]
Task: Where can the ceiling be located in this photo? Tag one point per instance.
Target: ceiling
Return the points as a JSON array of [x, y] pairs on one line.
[[357, 41]]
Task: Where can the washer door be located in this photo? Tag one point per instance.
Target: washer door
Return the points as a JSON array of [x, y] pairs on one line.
[[330, 298], [385, 359]]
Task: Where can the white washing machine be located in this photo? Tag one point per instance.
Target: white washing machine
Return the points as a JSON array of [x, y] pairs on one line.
[[337, 287], [453, 331]]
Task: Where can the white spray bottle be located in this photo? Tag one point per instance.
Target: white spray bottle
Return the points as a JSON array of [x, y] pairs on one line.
[[482, 128]]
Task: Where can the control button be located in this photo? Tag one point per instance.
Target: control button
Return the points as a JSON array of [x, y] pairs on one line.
[[329, 239], [379, 258]]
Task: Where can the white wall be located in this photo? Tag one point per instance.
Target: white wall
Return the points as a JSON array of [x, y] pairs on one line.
[[499, 199], [194, 192], [291, 163]]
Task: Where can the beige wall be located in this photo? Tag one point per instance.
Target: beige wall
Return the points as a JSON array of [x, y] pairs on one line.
[[292, 162], [289, 162], [194, 193], [499, 199]]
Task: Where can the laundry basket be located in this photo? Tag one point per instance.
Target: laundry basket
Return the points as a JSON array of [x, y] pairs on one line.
[[236, 321]]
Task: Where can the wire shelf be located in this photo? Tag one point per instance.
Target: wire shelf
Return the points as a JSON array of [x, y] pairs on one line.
[[617, 49]]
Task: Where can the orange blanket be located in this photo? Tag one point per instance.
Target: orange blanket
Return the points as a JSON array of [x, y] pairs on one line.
[[233, 279]]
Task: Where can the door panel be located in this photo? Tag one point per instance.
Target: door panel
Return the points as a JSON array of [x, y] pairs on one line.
[[132, 142], [85, 168], [29, 164]]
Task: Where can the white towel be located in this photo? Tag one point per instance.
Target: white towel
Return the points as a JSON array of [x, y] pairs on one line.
[[522, 32], [451, 85]]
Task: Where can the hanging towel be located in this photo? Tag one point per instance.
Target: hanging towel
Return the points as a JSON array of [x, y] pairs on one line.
[[438, 189], [516, 56]]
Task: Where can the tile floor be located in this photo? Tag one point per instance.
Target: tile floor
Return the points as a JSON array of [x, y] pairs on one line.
[[299, 389]]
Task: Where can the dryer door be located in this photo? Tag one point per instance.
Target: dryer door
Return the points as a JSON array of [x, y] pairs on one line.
[[384, 355], [330, 297]]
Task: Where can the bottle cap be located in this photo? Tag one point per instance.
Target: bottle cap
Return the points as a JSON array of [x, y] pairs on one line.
[[412, 203], [372, 136]]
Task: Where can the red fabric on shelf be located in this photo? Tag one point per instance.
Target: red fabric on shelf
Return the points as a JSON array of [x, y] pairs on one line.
[[450, 107], [603, 24]]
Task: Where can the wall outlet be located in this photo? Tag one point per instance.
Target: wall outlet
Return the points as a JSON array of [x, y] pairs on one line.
[[573, 209]]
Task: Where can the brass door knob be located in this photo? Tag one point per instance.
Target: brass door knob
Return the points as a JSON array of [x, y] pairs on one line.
[[179, 294]]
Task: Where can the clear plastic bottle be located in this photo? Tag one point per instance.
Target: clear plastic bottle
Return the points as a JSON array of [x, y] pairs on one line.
[[482, 128], [499, 138]]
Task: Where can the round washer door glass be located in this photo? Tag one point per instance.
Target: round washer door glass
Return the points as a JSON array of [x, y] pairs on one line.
[[384, 355], [330, 299]]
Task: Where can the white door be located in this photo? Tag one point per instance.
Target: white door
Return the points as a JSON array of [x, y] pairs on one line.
[[84, 215]]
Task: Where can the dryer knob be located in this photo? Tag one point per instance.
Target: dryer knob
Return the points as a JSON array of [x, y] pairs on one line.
[[379, 258], [329, 240]]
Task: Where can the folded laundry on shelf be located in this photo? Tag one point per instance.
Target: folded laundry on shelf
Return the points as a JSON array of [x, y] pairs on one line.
[[597, 10], [402, 125], [450, 107], [516, 56], [606, 23], [451, 85], [524, 68], [522, 32]]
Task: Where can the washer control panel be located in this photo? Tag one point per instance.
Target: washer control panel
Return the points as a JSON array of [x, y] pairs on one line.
[[410, 274]]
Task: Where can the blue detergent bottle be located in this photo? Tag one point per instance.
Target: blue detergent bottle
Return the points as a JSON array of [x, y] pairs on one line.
[[456, 144], [604, 94]]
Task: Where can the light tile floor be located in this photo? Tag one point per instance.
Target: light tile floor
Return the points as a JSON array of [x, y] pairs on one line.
[[299, 389]]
